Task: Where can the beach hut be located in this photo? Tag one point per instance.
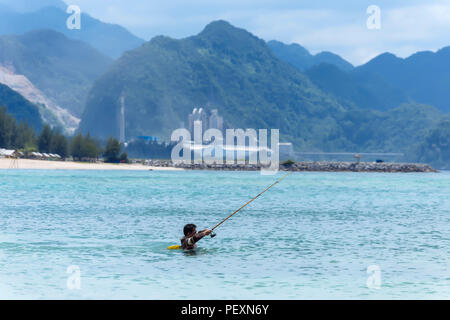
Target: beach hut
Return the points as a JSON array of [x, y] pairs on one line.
[[34, 155], [9, 154], [54, 156]]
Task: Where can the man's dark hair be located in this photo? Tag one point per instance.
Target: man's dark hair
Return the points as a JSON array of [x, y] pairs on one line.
[[189, 228]]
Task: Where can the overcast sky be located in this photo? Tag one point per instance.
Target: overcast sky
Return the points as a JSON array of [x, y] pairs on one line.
[[407, 26]]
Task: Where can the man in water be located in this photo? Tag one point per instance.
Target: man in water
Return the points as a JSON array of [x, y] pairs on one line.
[[191, 236]]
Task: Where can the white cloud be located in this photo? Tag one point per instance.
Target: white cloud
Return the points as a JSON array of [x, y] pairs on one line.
[[337, 26], [404, 31], [419, 23]]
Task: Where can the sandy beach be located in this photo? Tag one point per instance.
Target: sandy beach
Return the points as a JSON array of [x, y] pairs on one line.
[[70, 165]]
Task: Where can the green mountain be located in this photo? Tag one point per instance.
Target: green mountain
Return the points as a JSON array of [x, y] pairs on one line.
[[110, 39], [300, 58], [363, 89], [397, 130], [383, 83], [229, 69], [20, 108], [63, 69], [435, 147], [223, 67], [332, 74], [418, 131], [424, 76]]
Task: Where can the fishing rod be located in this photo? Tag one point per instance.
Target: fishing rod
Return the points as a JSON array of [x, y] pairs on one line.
[[248, 202]]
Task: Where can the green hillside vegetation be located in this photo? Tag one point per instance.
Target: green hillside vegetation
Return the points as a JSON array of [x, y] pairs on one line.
[[230, 69], [363, 89], [223, 67], [20, 108], [63, 69], [383, 83], [435, 148], [398, 130], [424, 76]]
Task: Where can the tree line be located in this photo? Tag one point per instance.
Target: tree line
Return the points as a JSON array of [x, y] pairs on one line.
[[15, 135], [20, 136]]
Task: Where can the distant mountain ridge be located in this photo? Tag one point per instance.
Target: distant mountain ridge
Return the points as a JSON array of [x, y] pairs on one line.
[[110, 39], [50, 112], [222, 67], [230, 69], [363, 89], [61, 68], [424, 76], [302, 59], [319, 102], [383, 83]]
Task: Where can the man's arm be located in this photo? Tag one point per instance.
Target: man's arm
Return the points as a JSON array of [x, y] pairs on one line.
[[201, 234], [189, 242]]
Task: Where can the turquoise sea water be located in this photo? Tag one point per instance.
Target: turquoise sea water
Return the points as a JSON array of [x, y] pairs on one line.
[[311, 236]]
